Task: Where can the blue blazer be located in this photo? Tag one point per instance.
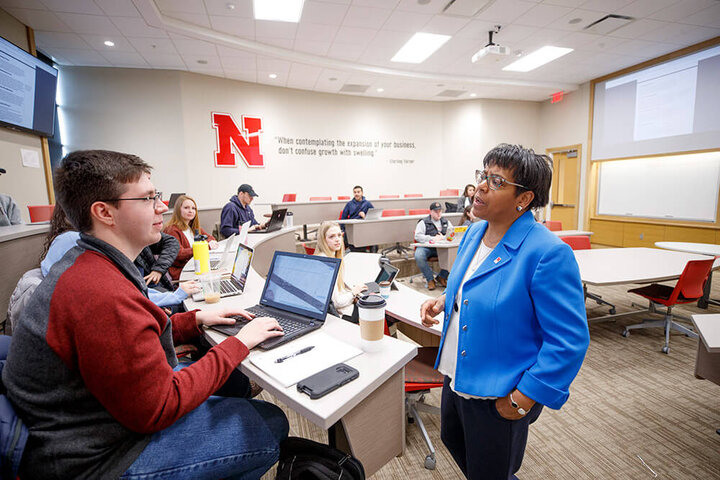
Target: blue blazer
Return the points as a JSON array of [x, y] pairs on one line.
[[522, 321]]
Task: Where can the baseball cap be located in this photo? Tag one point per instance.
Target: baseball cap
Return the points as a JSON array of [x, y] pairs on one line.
[[435, 206], [247, 189]]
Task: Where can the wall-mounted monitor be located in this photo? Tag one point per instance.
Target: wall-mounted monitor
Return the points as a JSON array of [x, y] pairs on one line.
[[27, 91]]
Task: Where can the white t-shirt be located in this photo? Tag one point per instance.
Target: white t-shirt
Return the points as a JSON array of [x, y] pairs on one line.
[[448, 358], [189, 235]]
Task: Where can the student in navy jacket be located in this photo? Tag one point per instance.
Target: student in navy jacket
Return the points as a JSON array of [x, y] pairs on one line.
[[357, 207], [515, 330]]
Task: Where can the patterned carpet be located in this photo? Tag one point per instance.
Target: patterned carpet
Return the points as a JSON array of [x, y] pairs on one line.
[[632, 411]]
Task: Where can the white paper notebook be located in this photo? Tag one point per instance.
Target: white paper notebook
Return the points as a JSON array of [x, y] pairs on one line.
[[327, 352]]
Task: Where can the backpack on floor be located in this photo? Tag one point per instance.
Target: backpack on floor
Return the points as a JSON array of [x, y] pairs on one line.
[[303, 459]]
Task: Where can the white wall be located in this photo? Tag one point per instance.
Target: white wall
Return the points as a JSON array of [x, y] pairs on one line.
[[165, 117]]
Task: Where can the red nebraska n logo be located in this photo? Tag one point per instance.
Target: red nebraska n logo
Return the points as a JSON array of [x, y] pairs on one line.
[[231, 139]]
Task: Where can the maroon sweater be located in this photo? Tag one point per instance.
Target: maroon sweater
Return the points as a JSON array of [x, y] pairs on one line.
[[90, 368], [186, 251]]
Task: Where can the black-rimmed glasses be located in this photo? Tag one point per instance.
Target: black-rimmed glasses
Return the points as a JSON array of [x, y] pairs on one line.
[[150, 198], [495, 182]]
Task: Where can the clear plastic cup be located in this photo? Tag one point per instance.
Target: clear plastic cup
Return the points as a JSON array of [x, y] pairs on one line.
[[384, 289], [210, 283]]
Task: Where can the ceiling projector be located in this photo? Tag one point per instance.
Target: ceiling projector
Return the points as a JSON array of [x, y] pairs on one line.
[[491, 48]]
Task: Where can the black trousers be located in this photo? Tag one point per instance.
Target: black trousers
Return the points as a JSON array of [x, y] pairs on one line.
[[483, 444]]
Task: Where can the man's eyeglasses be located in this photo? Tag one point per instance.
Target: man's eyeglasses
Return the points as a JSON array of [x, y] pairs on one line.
[[495, 182], [151, 198]]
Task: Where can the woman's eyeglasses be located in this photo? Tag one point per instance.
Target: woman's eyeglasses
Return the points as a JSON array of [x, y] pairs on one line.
[[495, 182]]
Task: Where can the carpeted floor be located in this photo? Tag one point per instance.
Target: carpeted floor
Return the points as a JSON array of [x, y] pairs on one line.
[[632, 411]]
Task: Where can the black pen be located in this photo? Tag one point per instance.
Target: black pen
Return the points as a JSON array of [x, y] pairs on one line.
[[299, 352]]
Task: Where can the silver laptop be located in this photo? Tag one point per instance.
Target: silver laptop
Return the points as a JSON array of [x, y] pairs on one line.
[[235, 284], [373, 213], [297, 293]]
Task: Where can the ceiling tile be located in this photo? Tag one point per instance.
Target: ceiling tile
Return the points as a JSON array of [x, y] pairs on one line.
[[709, 17], [377, 3], [242, 75], [346, 51], [591, 42], [542, 15], [323, 13], [432, 7], [60, 40], [165, 60], [120, 8], [265, 28], [73, 6], [607, 6], [682, 10], [366, 17], [225, 51], [83, 57], [643, 49], [193, 18], [243, 8], [316, 32], [445, 24], [645, 8], [190, 46], [305, 75], [247, 62], [39, 19], [679, 34], [311, 46], [285, 43], [97, 42], [136, 27], [238, 26], [92, 24], [153, 46], [565, 3], [400, 21], [358, 36], [505, 12], [193, 62], [272, 65], [125, 59], [478, 30], [586, 18], [638, 28], [29, 4], [185, 6]]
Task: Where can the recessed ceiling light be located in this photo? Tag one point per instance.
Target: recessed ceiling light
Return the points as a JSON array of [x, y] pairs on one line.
[[278, 10], [333, 79], [202, 62], [537, 58], [380, 90], [230, 6], [473, 94], [420, 47], [273, 75], [109, 43]]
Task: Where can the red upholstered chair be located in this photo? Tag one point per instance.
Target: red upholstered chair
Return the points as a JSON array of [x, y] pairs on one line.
[[553, 225], [393, 212], [308, 250], [413, 195], [450, 192], [289, 197], [320, 199], [344, 197], [40, 213], [419, 211], [420, 378], [688, 289], [582, 242], [389, 196]]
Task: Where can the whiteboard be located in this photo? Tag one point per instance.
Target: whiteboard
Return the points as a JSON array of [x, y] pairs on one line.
[[679, 187]]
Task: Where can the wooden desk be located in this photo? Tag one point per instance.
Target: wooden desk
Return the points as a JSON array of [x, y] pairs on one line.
[[707, 362], [366, 416], [703, 249], [363, 233]]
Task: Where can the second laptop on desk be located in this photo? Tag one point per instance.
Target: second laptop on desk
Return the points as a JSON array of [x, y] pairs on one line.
[[297, 293]]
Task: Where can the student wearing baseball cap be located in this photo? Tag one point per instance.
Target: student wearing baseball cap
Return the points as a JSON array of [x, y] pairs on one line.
[[237, 211], [431, 228]]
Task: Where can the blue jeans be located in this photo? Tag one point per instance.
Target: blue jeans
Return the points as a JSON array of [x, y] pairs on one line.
[[421, 258], [232, 438]]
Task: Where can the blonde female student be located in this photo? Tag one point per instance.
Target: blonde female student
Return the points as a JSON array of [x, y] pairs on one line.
[[330, 244], [182, 225]]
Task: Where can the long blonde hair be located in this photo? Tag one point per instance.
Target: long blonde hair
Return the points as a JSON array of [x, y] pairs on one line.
[[177, 219], [324, 249]]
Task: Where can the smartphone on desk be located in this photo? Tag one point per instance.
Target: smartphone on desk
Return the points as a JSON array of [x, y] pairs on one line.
[[327, 380]]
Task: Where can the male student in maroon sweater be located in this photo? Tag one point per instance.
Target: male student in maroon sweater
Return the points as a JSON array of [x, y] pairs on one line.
[[92, 368]]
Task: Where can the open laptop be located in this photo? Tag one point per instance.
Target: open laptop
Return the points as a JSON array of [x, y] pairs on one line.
[[297, 293], [387, 273], [230, 246], [173, 199], [235, 284], [373, 214], [276, 221]]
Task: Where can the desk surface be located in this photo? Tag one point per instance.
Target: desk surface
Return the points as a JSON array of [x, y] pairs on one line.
[[708, 328], [617, 266], [572, 233], [12, 232], [701, 248]]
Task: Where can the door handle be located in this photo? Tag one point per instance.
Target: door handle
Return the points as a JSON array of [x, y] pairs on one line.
[[563, 205]]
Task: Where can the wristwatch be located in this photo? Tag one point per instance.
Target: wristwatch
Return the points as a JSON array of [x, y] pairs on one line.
[[517, 407]]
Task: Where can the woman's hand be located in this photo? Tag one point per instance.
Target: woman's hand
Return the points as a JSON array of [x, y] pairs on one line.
[[259, 330], [152, 277], [213, 245], [358, 289], [190, 287], [429, 309], [507, 411]]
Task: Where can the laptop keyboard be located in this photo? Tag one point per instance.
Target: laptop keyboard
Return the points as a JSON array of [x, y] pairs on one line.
[[226, 286], [288, 326]]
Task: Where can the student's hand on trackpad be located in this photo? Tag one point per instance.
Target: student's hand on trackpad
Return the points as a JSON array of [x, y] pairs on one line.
[[259, 330]]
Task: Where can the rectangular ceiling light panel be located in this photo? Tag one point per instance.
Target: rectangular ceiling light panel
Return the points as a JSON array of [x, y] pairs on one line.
[[537, 59], [278, 10], [420, 47]]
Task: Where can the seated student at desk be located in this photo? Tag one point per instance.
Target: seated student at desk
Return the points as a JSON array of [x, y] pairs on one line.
[[466, 198], [356, 208], [330, 244], [237, 211], [91, 365], [431, 228], [182, 225], [9, 211]]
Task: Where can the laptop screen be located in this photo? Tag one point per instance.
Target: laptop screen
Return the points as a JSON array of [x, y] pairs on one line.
[[387, 273], [301, 284], [243, 257]]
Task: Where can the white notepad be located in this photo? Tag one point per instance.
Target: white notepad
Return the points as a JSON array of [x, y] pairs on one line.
[[327, 352]]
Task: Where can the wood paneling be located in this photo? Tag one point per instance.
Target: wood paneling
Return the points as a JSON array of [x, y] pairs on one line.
[[606, 233], [628, 234], [642, 235], [695, 235]]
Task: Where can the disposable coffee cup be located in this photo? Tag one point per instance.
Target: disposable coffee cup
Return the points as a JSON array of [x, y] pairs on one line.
[[210, 283], [371, 314], [289, 219], [384, 289]]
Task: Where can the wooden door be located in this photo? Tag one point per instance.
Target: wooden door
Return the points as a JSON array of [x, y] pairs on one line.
[[565, 192]]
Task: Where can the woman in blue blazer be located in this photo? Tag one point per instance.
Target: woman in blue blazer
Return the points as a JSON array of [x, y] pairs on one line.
[[515, 330]]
